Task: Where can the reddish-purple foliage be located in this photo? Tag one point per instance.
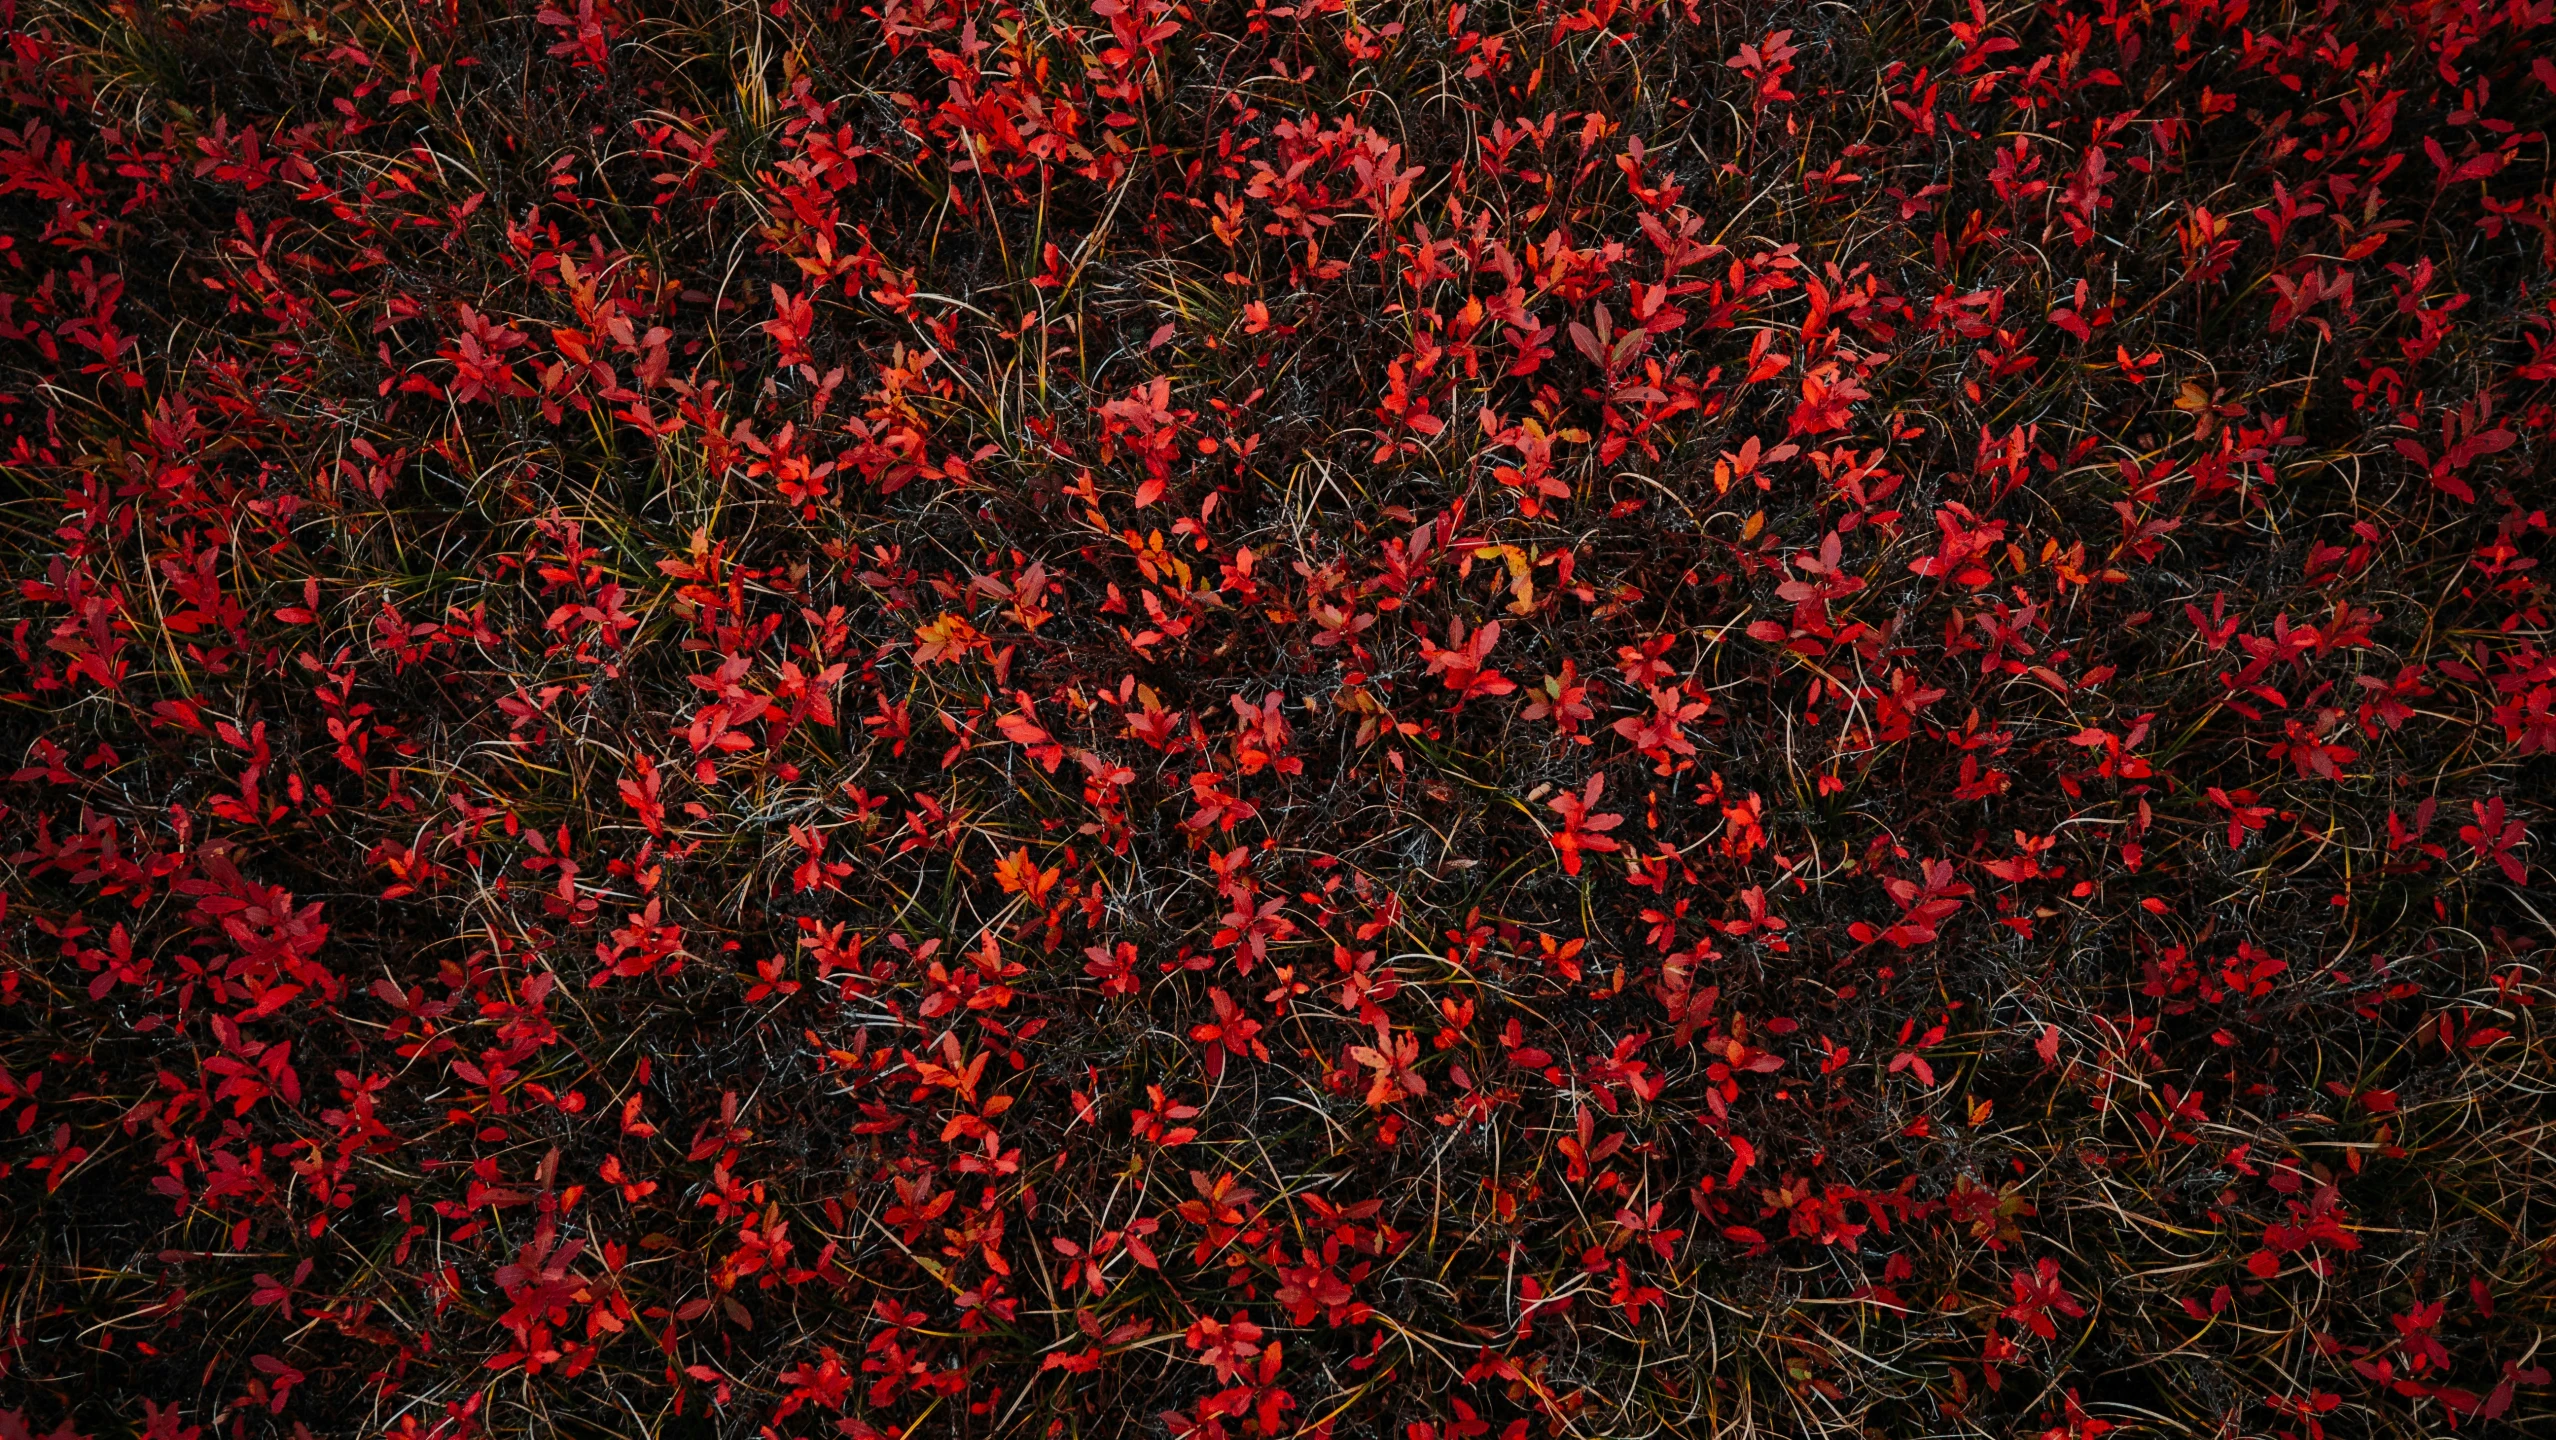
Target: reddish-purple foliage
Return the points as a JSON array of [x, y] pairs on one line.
[[1240, 720]]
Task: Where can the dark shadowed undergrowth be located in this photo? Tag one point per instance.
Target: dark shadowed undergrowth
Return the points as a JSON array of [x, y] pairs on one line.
[[1338, 719]]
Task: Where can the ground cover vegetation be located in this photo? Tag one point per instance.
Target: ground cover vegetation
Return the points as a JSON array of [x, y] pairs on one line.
[[1418, 720]]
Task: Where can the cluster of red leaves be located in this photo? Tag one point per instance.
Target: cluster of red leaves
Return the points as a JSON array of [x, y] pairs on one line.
[[1234, 720]]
